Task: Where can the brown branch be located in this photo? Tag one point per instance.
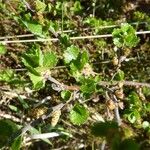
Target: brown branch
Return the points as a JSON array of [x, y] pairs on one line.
[[125, 83], [101, 83]]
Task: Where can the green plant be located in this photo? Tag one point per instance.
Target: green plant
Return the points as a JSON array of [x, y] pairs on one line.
[[38, 65], [61, 75], [79, 114], [125, 36]]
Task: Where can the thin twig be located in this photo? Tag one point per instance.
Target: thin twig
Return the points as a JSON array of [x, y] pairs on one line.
[[63, 86], [46, 135], [62, 17], [8, 116], [68, 31], [44, 100], [116, 111], [16, 36], [132, 83], [125, 83], [71, 38], [27, 5], [101, 83], [42, 136], [94, 8], [103, 145]]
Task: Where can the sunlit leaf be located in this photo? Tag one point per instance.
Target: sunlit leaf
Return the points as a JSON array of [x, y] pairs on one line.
[[71, 54], [49, 60], [125, 36], [77, 7], [34, 27], [6, 75], [37, 81], [88, 85], [134, 116], [134, 99], [84, 57], [77, 65], [33, 58], [79, 114], [13, 108]]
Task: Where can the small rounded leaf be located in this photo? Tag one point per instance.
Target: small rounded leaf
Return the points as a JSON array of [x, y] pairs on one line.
[[71, 54], [79, 114]]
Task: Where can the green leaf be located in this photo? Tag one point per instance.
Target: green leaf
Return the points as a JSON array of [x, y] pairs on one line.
[[84, 59], [23, 102], [71, 54], [33, 58], [125, 36], [40, 6], [77, 65], [134, 100], [2, 49], [16, 145], [33, 71], [77, 7], [92, 21], [88, 85], [79, 114], [49, 60], [13, 108], [129, 144], [34, 27], [7, 128], [104, 129], [134, 116], [81, 60], [6, 75], [37, 81], [65, 40], [75, 72], [65, 95], [119, 76]]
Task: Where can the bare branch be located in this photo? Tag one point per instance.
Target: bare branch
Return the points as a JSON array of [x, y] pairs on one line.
[[71, 38], [42, 136], [125, 83], [116, 111], [68, 31]]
